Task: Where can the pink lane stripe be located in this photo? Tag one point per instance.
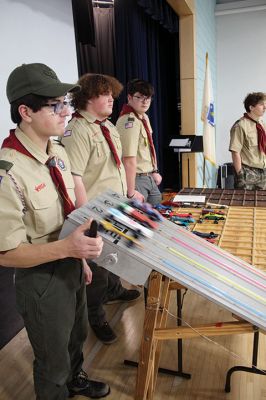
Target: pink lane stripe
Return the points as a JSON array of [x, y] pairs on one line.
[[224, 266], [218, 250]]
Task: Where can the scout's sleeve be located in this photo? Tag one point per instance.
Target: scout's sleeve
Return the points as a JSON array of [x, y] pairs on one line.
[[236, 138], [13, 230], [77, 147], [129, 130]]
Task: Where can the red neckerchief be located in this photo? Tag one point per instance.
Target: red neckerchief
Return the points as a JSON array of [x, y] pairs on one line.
[[261, 134], [127, 109], [12, 142], [106, 134]]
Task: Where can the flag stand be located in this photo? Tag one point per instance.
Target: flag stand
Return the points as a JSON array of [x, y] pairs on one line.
[[204, 172]]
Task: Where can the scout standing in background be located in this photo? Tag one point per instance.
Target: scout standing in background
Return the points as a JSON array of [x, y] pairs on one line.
[[248, 144], [138, 150], [94, 149], [37, 193]]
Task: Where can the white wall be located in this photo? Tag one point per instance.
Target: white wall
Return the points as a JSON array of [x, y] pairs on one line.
[[35, 31], [241, 69]]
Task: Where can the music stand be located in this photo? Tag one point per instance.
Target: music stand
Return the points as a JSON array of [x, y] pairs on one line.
[[186, 144]]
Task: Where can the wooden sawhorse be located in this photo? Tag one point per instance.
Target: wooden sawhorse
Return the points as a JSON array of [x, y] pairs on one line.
[[155, 332]]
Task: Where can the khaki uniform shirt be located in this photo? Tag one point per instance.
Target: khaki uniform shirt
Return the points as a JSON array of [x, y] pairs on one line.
[[244, 140], [30, 184], [135, 142], [91, 157]]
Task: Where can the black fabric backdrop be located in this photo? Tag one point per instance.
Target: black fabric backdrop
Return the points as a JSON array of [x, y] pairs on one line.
[[83, 21], [99, 58], [146, 50]]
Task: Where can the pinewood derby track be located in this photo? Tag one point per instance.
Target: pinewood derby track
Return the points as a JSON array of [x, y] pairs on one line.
[[203, 267]]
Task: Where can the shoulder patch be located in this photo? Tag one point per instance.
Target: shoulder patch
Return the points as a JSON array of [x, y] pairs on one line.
[[131, 119], [6, 165]]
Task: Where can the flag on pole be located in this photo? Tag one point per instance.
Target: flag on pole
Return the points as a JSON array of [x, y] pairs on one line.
[[207, 116]]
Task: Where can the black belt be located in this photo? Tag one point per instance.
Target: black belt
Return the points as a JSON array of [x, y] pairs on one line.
[[144, 174], [260, 169]]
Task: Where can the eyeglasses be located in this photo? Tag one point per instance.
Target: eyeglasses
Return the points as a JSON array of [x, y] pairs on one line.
[[58, 107], [143, 98]]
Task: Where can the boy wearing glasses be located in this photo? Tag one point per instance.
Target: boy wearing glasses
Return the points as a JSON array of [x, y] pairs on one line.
[[138, 150], [37, 193], [94, 149]]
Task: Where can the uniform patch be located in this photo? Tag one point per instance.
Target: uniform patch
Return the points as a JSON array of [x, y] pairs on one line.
[[68, 133], [61, 164], [131, 119], [129, 124], [39, 187], [1, 177]]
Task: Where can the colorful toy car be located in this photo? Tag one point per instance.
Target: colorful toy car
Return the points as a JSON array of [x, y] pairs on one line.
[[215, 217]]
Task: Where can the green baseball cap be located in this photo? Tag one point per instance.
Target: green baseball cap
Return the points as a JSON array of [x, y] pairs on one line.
[[36, 79]]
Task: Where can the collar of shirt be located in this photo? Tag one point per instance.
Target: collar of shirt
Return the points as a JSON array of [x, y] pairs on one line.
[[89, 117], [37, 153]]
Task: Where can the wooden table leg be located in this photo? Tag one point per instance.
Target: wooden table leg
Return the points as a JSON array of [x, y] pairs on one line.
[[161, 323], [148, 361]]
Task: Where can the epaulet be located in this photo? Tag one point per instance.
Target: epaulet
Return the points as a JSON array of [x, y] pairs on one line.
[[236, 123], [6, 165], [58, 142]]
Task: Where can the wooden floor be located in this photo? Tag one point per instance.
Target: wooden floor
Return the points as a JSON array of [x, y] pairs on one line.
[[207, 362]]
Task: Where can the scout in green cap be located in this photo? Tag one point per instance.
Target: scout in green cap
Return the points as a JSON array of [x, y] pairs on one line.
[[37, 193]]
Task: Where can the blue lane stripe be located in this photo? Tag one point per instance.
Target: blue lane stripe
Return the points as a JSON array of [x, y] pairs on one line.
[[214, 289]]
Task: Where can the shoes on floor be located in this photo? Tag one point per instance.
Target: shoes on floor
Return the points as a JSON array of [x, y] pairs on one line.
[[126, 296], [83, 386], [104, 332]]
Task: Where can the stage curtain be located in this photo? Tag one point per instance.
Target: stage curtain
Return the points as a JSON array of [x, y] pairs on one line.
[[94, 28], [100, 58], [146, 50], [83, 21], [161, 11]]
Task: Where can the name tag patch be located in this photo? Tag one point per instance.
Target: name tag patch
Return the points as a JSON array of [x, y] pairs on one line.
[[39, 187]]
